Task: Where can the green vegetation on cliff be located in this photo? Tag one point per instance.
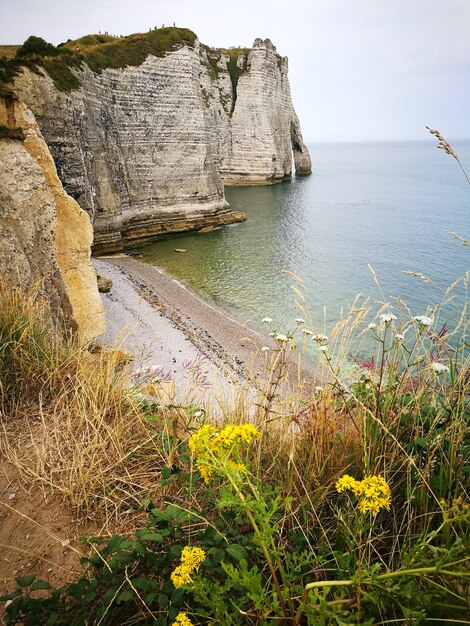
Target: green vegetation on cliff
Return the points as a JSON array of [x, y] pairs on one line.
[[36, 46], [87, 40], [37, 54], [104, 51], [133, 50], [97, 51], [234, 68]]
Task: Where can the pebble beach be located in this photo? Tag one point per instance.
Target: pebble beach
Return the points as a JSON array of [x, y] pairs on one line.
[[165, 325]]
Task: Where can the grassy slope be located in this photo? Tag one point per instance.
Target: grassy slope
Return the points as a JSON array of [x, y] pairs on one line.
[[73, 422], [98, 52], [103, 51], [131, 50]]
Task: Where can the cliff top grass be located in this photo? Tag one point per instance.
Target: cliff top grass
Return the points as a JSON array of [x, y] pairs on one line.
[[8, 51], [97, 51], [88, 40], [101, 51]]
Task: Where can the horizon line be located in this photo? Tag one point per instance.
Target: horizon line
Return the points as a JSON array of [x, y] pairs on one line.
[[316, 141]]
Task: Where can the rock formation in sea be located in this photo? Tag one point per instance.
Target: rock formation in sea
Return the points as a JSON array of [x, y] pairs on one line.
[[145, 130], [264, 130], [45, 237]]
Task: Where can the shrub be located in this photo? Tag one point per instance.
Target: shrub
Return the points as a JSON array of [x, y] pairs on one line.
[[36, 46]]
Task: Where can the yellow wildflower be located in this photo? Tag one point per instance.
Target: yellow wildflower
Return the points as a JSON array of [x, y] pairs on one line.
[[200, 438], [205, 471], [238, 467], [345, 482], [357, 488], [181, 576], [212, 447], [182, 620], [373, 492], [191, 558]]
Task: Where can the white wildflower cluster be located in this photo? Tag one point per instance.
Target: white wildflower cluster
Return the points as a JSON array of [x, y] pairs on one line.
[[299, 321], [320, 338], [387, 318], [423, 320], [439, 368], [371, 326], [281, 338], [399, 337], [267, 320]]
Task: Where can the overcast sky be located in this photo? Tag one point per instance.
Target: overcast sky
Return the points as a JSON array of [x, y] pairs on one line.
[[359, 69]]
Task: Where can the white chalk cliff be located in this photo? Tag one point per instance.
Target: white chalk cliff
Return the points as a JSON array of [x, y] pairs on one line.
[[146, 149]]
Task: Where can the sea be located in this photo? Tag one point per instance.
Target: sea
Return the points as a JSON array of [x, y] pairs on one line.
[[370, 219]]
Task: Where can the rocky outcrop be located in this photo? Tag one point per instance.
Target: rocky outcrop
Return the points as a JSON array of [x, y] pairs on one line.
[[146, 149], [264, 130], [44, 235]]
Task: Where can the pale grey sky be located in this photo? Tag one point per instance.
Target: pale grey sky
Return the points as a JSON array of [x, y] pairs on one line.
[[359, 69]]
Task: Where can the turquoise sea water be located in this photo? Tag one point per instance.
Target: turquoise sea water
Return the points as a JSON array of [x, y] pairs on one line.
[[383, 204]]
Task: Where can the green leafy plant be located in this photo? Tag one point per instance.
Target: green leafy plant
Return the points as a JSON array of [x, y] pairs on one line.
[[36, 46]]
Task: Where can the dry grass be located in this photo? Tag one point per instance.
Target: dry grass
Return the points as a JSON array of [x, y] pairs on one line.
[[73, 423], [70, 422], [8, 51]]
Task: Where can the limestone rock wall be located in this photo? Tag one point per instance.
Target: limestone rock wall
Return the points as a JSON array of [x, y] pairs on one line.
[[146, 149], [44, 235], [265, 131]]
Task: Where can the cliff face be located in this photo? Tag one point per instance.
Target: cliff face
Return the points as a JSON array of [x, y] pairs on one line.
[[265, 131], [44, 235], [146, 149]]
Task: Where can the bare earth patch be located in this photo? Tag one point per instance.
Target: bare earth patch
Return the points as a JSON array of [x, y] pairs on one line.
[[38, 534]]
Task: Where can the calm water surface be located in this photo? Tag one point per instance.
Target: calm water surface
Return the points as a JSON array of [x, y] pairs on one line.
[[383, 204]]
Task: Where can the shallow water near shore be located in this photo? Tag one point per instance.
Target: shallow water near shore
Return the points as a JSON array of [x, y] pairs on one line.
[[383, 204]]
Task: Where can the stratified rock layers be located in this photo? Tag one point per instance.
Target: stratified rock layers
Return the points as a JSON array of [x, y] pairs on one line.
[[45, 237], [265, 130], [145, 150]]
